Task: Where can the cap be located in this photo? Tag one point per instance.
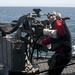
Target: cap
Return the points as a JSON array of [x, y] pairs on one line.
[[53, 13]]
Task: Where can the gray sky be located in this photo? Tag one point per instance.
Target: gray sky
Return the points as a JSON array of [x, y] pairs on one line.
[[48, 3]]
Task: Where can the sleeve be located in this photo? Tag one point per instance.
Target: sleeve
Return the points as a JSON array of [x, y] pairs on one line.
[[46, 41], [59, 26]]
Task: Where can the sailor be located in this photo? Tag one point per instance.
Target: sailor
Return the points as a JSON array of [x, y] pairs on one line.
[[61, 45]]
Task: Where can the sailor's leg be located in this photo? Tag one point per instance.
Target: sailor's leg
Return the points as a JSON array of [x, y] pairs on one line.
[[57, 64]]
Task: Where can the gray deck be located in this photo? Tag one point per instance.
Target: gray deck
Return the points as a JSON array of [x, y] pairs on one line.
[[69, 70]]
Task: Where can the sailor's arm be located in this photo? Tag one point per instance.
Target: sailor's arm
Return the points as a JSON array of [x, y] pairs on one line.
[[46, 41], [59, 31]]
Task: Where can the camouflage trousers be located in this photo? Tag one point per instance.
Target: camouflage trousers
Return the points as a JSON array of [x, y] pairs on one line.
[[57, 62]]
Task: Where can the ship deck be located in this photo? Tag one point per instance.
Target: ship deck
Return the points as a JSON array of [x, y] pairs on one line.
[[68, 70], [43, 67]]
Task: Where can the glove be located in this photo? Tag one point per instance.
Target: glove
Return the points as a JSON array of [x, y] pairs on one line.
[[46, 41]]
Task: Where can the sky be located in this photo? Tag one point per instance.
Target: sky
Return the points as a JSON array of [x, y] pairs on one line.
[[42, 3]]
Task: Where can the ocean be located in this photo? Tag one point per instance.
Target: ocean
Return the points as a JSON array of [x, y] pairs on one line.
[[8, 14]]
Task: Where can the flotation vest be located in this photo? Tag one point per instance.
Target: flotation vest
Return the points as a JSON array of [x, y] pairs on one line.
[[65, 40]]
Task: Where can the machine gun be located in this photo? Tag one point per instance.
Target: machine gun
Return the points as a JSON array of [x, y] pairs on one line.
[[32, 26]]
